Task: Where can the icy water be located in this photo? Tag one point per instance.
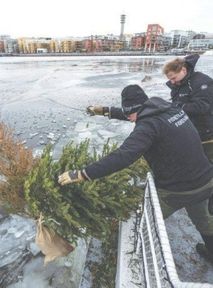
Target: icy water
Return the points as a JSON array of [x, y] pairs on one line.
[[44, 99]]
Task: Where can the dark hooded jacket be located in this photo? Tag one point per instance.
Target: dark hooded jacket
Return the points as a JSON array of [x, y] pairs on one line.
[[168, 140], [195, 96]]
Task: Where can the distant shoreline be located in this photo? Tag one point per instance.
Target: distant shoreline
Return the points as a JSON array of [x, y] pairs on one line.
[[123, 53]]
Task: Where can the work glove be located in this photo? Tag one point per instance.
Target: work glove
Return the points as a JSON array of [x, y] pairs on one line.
[[70, 177], [97, 110]]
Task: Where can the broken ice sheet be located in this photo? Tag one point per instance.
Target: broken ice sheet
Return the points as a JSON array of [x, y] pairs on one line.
[[106, 134], [85, 126], [16, 232]]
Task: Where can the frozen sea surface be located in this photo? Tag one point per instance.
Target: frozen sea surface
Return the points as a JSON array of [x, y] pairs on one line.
[[44, 100]]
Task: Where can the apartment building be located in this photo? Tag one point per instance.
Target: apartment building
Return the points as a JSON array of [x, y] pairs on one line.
[[200, 44], [32, 45], [154, 35], [55, 46], [138, 41], [67, 46]]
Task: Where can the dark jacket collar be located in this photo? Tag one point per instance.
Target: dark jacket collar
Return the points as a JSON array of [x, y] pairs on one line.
[[153, 106]]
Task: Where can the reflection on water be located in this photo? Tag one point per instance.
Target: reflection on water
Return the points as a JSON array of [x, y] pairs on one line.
[[147, 65], [119, 72]]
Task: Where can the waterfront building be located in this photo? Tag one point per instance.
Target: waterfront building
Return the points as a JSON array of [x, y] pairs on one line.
[[7, 44], [55, 46], [166, 42], [154, 38], [67, 46], [180, 38], [138, 41], [10, 46], [31, 45], [200, 44], [92, 44]]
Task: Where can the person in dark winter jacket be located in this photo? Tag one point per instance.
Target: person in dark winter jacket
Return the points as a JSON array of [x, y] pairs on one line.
[[193, 92], [168, 140]]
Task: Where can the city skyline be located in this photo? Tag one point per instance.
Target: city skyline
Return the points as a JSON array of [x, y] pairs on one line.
[[26, 18]]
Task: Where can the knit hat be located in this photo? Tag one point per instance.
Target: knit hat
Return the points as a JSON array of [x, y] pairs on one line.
[[133, 98]]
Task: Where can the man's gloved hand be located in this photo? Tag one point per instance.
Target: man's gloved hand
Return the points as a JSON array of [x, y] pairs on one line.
[[97, 110], [70, 177]]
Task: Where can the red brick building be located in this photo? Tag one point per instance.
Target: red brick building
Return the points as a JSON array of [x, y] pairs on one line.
[[92, 45], [138, 41], [153, 37]]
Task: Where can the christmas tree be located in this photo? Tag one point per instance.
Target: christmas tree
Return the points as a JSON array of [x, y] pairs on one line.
[[87, 208]]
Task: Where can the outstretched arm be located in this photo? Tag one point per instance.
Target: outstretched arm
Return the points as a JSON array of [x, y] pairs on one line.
[[111, 112], [138, 143]]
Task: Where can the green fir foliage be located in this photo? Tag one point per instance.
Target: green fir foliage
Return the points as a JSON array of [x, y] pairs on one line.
[[87, 208]]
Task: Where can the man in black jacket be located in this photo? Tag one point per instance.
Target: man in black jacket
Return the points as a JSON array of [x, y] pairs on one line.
[[167, 139], [193, 92]]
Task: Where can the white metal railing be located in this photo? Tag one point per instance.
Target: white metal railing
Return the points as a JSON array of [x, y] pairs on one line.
[[153, 248]]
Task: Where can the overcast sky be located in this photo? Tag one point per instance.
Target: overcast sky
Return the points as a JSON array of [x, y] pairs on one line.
[[61, 18]]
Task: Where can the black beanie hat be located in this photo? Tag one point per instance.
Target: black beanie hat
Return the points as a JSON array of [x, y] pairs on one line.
[[133, 98]]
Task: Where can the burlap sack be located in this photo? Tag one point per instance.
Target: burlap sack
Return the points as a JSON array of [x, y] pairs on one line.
[[51, 244]]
